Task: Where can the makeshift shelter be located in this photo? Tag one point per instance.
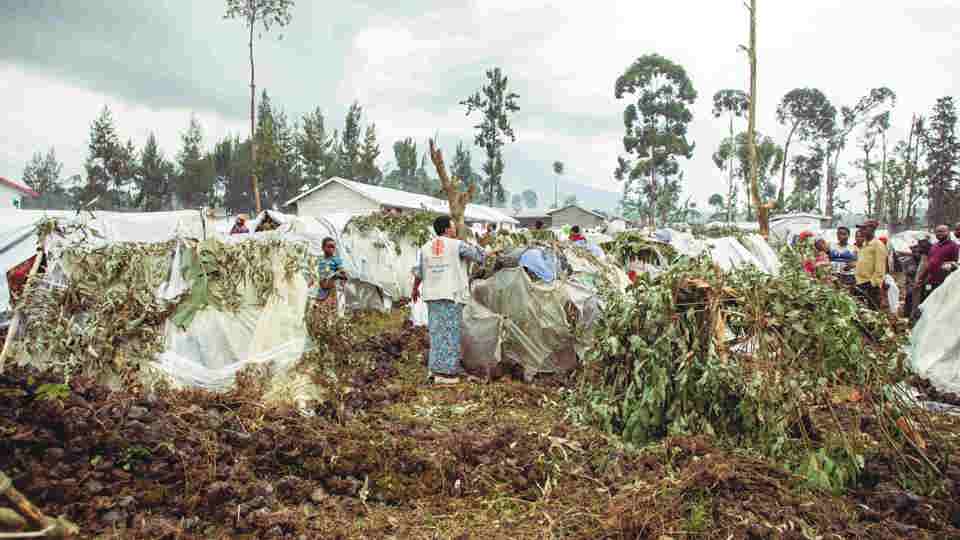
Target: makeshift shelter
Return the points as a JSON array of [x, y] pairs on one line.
[[934, 343], [171, 295]]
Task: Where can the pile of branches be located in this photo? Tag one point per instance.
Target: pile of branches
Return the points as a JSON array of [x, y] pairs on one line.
[[720, 231], [785, 366], [409, 228], [633, 245]]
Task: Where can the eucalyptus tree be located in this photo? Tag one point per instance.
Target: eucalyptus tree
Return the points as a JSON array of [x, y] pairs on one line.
[[808, 115], [496, 104], [655, 128], [264, 14]]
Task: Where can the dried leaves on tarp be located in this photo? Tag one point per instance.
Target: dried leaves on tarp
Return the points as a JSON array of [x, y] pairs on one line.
[[784, 365], [108, 300]]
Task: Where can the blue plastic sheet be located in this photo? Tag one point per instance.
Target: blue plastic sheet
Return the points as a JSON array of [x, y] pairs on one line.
[[541, 263]]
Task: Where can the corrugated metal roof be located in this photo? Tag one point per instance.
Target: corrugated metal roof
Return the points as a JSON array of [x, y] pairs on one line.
[[413, 201], [578, 207]]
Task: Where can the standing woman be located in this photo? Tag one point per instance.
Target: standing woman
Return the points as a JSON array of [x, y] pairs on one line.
[[442, 275]]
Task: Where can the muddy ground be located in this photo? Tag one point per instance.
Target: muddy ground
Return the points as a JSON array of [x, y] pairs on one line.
[[384, 455]]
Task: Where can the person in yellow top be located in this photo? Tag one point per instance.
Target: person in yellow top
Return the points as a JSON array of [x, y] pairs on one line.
[[871, 266]]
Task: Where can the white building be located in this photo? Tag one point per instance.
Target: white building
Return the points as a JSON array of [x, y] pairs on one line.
[[12, 194], [338, 195]]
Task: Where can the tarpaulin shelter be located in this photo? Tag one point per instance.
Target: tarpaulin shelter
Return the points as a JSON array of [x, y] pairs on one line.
[[934, 343]]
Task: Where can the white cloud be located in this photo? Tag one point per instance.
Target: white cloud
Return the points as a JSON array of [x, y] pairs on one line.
[[410, 71]]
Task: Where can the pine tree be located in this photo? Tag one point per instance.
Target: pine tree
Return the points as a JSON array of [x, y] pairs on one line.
[[109, 165], [42, 173], [495, 104], [943, 157], [367, 170], [232, 167], [156, 176], [315, 147], [348, 155], [195, 180]]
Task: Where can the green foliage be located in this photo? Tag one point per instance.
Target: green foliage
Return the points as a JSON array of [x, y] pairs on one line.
[[367, 170], [409, 228], [750, 359], [942, 158], [656, 127], [496, 104], [156, 177], [42, 173], [53, 392], [194, 184], [633, 245], [110, 166], [314, 145]]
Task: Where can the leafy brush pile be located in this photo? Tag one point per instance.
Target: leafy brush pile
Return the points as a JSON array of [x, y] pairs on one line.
[[785, 366], [632, 245], [108, 314], [413, 228]]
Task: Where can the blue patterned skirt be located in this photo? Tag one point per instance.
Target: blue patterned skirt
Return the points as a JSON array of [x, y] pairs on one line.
[[446, 318]]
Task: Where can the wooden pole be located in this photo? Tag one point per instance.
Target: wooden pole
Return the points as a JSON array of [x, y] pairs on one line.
[[762, 210], [53, 528], [17, 315]]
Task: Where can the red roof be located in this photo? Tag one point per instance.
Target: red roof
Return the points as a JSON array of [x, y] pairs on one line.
[[19, 187]]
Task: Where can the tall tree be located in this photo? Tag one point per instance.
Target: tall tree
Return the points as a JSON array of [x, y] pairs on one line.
[[656, 126], [735, 104], [266, 14], [406, 157], [367, 170], [808, 115], [769, 158], [570, 200], [558, 171], [156, 177], [314, 145], [851, 117], [808, 172], [232, 167], [761, 208], [196, 175], [517, 202], [348, 156], [462, 166], [109, 165], [496, 104], [530, 198], [943, 157], [42, 173]]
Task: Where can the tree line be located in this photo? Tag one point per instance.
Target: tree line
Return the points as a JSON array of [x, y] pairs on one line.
[[897, 176]]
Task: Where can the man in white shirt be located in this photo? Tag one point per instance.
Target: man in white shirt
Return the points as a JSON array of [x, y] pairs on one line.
[[442, 276]]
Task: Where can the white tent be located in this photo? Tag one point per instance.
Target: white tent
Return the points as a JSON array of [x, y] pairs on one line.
[[934, 343]]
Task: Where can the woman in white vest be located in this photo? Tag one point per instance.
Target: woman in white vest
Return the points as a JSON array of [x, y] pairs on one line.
[[441, 280]]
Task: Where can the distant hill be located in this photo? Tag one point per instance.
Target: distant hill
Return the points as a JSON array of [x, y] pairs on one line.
[[587, 196]]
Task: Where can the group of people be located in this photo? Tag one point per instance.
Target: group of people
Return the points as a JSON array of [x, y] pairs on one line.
[[864, 265]]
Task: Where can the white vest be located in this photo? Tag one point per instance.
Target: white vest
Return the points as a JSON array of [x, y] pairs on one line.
[[444, 273]]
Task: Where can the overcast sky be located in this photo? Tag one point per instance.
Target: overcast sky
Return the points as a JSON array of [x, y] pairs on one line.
[[410, 62]]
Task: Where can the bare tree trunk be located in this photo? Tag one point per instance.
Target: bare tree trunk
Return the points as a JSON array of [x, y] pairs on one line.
[[882, 189], [253, 125], [783, 168], [457, 199], [731, 196], [762, 210]]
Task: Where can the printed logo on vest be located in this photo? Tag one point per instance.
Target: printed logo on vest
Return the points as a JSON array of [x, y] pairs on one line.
[[438, 247]]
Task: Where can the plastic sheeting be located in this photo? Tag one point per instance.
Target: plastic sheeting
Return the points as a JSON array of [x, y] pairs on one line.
[[534, 329], [935, 343], [217, 345], [767, 258], [729, 254]]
